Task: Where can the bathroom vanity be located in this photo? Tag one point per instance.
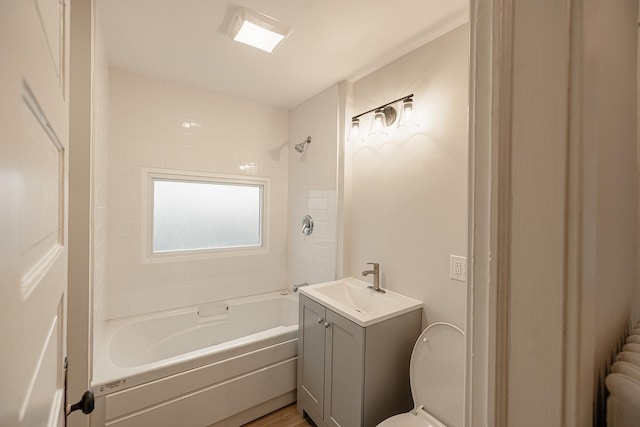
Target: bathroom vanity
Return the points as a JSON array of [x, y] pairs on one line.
[[354, 350]]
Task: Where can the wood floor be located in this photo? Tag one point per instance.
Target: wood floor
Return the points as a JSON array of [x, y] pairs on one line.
[[285, 417]]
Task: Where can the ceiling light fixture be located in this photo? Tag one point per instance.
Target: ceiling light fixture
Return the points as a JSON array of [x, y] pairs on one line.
[[255, 29], [384, 116]]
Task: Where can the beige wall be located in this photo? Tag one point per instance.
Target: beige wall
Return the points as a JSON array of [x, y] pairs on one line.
[[609, 94], [408, 204], [610, 119], [146, 117], [100, 176], [79, 241], [312, 189], [535, 226], [100, 168]]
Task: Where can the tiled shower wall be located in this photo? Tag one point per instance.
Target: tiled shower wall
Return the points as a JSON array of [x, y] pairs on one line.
[[312, 189], [228, 135]]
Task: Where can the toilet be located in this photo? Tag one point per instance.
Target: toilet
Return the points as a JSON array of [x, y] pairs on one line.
[[437, 379]]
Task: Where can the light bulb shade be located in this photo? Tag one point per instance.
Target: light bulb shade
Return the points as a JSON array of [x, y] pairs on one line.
[[408, 116], [355, 133], [379, 123]]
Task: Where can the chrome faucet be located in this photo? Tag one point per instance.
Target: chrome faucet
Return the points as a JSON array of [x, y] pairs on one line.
[[295, 287], [376, 276]]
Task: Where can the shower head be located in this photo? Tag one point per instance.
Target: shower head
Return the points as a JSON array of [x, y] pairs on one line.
[[300, 147]]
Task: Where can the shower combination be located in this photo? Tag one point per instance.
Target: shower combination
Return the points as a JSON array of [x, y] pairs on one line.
[[300, 147], [307, 221]]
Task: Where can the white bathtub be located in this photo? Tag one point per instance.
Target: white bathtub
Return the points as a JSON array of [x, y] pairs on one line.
[[222, 364]]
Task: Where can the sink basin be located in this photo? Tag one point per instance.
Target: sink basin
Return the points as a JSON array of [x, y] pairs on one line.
[[353, 299]]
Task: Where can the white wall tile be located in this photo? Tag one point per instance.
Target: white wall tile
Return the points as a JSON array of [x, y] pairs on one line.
[[311, 184], [146, 117]]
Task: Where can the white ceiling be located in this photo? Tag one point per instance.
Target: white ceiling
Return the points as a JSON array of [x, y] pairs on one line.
[[332, 40]]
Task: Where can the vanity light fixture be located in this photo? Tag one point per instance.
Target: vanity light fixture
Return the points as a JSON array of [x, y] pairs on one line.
[[190, 124], [408, 114], [384, 116], [355, 133], [255, 29], [379, 123]]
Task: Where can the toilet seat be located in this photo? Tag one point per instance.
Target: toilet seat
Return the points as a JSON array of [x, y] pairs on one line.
[[437, 379], [416, 418]]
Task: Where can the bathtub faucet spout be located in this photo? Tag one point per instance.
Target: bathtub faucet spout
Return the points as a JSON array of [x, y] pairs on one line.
[[295, 287]]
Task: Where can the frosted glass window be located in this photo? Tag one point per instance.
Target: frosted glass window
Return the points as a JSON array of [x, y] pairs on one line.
[[204, 215]]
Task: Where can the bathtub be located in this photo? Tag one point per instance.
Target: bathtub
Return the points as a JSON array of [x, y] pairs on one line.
[[219, 364]]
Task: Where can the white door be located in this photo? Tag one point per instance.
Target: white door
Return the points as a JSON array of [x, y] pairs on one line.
[[33, 218]]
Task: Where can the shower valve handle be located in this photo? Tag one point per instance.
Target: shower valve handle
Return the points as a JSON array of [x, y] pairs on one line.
[[307, 225]]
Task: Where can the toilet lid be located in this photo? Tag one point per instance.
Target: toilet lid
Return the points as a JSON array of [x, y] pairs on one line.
[[437, 372]]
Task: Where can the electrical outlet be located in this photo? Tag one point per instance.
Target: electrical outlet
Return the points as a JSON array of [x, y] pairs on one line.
[[458, 268]]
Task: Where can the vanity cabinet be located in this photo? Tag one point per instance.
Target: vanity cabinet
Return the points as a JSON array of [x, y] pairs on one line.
[[350, 375]]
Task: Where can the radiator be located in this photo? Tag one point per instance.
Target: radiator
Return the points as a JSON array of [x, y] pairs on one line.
[[623, 384]]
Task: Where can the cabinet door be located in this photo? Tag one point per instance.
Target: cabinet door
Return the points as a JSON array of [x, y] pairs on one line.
[[311, 355], [344, 373]]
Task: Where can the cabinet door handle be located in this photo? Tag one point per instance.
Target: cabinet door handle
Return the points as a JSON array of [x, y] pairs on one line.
[[320, 320], [326, 324]]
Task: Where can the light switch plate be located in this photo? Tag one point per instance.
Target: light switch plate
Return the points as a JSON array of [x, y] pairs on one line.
[[458, 268]]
